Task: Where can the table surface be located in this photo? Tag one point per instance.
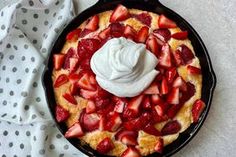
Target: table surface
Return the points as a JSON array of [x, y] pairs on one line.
[[215, 21]]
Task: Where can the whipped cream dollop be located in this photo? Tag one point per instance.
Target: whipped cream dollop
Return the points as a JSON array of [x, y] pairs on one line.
[[123, 67]]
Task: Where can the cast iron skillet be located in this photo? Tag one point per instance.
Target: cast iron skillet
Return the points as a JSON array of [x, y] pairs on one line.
[[209, 78]]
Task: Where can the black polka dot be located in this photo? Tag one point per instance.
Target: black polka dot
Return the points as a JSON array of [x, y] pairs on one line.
[[5, 133], [13, 117], [38, 99], [18, 6], [4, 67], [1, 55], [31, 3], [15, 104], [26, 70], [3, 27], [11, 93], [24, 10], [23, 58], [58, 136], [26, 46], [26, 107], [1, 90], [43, 127], [42, 113], [54, 14], [66, 147], [51, 146], [56, 30], [8, 45], [10, 144], [34, 71], [4, 155], [4, 115], [45, 23], [21, 36], [41, 151], [11, 57], [15, 47], [57, 2], [35, 41], [24, 94], [61, 155], [22, 146], [7, 80], [34, 116], [24, 22], [35, 16], [63, 6], [46, 11], [17, 133], [27, 133], [59, 18], [35, 29], [18, 81], [4, 102], [32, 59], [15, 156], [35, 84], [2, 13], [28, 156], [34, 138], [14, 69]]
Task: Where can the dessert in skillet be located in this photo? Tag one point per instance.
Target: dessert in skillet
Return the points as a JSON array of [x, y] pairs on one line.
[[127, 82]]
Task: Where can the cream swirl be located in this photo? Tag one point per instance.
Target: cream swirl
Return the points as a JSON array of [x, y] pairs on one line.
[[123, 67]]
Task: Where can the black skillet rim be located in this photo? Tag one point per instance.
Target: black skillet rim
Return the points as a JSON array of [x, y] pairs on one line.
[[209, 78]]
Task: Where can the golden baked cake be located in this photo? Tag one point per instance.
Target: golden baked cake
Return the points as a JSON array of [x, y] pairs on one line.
[[132, 125]]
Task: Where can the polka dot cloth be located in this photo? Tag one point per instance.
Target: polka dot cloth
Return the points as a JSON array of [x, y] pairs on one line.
[[27, 31]]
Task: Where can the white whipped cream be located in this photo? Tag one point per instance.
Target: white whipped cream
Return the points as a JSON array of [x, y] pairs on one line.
[[123, 67]]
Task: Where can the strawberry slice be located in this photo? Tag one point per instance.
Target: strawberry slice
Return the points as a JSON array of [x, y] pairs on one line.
[[142, 35], [133, 108], [159, 146], [180, 83], [152, 89], [102, 123], [178, 58], [173, 110], [70, 53], [152, 45], [92, 23], [150, 129], [91, 107], [62, 79], [85, 32], [161, 109], [69, 98], [128, 140], [73, 35], [73, 77], [186, 54], [120, 13], [90, 45], [129, 32], [74, 131], [164, 22], [173, 96], [58, 60], [165, 56], [104, 34], [197, 109], [120, 134], [193, 70], [73, 64], [114, 122], [117, 29], [119, 104], [145, 18], [156, 99], [131, 152], [146, 104], [171, 127], [105, 146], [74, 89], [170, 74], [164, 86], [61, 114], [163, 34], [180, 35], [89, 122], [84, 82], [186, 95]]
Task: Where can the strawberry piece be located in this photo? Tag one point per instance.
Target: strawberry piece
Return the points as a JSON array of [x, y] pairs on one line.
[[180, 35], [102, 123], [133, 108], [88, 94], [186, 54], [102, 103], [152, 89], [85, 32], [73, 64], [163, 34], [137, 123], [146, 104], [156, 118], [193, 70], [128, 140], [164, 86], [58, 60], [120, 13], [92, 80], [165, 56], [156, 99], [117, 29], [171, 127], [90, 108], [104, 34], [142, 35], [114, 122], [89, 122], [145, 18], [105, 146], [180, 83], [73, 35], [84, 82], [69, 98], [61, 79], [131, 152], [186, 95], [129, 32], [152, 45], [90, 45], [70, 53], [120, 134], [159, 146], [164, 22], [61, 114], [178, 58], [170, 74], [173, 110], [197, 109], [74, 131], [119, 104], [150, 129], [173, 96], [161, 109], [74, 89], [73, 77], [92, 23]]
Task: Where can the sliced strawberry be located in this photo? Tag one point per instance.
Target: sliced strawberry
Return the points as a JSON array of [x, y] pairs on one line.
[[84, 82], [131, 152], [171, 127], [161, 109], [117, 29], [88, 94], [133, 108], [156, 118], [186, 54], [105, 146], [73, 77], [164, 86], [92, 23], [142, 35], [74, 89], [102, 103], [73, 64], [90, 45], [114, 122], [159, 146], [120, 13], [178, 58], [61, 114], [146, 104], [121, 133], [193, 70], [164, 22], [163, 34], [152, 45], [92, 80], [90, 108], [73, 35], [173, 110], [156, 99], [152, 89], [129, 32], [128, 140], [102, 123], [89, 122], [62, 79], [70, 53], [119, 104], [171, 74], [180, 35], [165, 56], [186, 95], [197, 109], [173, 96], [104, 34], [150, 129], [74, 131], [58, 60], [180, 83], [145, 18], [70, 98], [85, 32]]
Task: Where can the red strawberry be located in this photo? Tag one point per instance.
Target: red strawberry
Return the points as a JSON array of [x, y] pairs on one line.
[[131, 152], [138, 123], [117, 29], [156, 118], [152, 89], [74, 89], [152, 45], [92, 79], [133, 108], [193, 70], [74, 131], [70, 53], [173, 110], [178, 58], [156, 99], [197, 109], [92, 23], [180, 35], [62, 79], [73, 77], [90, 121], [145, 18], [73, 35], [164, 22], [129, 32], [102, 103], [164, 86], [70, 98], [61, 114], [163, 34], [88, 94], [120, 13], [119, 104], [90, 45], [105, 146], [173, 96], [161, 108], [102, 123], [146, 104], [180, 83], [142, 35], [171, 127], [90, 108], [104, 34], [186, 95], [150, 129], [114, 122], [159, 146], [186, 54], [170, 74], [121, 133], [128, 140], [58, 60], [85, 32], [73, 64], [84, 82], [165, 56]]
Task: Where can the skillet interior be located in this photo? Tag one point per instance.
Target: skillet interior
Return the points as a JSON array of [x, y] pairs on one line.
[[209, 79]]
